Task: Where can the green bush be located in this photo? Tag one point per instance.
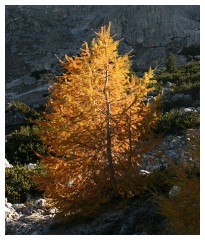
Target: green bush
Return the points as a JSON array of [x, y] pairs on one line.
[[186, 80], [22, 145], [18, 184], [166, 77], [189, 73], [186, 77], [175, 122]]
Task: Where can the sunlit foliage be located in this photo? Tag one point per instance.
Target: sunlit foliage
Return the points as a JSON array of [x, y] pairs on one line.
[[95, 117]]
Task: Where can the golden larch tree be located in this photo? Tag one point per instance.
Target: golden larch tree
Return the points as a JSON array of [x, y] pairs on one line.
[[94, 119]]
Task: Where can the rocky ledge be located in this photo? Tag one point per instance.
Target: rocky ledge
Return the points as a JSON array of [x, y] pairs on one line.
[[138, 217], [33, 217]]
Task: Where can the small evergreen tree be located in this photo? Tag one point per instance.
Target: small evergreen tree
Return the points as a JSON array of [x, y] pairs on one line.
[[95, 117], [171, 62]]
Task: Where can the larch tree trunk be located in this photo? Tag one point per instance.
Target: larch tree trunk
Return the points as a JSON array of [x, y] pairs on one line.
[[108, 131]]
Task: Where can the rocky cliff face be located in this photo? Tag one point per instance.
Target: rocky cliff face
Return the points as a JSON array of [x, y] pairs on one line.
[[34, 32]]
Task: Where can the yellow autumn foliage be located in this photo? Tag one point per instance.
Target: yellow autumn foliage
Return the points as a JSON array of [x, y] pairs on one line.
[[95, 117]]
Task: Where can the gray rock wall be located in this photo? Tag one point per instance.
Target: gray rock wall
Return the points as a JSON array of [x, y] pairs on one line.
[[34, 32]]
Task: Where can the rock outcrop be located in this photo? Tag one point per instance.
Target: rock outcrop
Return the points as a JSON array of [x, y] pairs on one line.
[[29, 218], [34, 32], [138, 217]]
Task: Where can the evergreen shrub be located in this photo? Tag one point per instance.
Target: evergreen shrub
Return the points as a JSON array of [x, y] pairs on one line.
[[174, 122], [22, 145], [18, 183]]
